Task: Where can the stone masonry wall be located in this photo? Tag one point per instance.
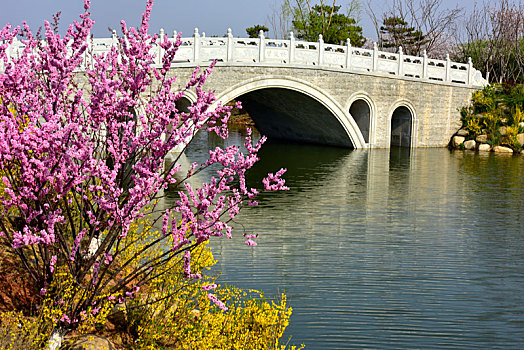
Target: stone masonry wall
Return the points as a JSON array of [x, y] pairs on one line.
[[435, 104]]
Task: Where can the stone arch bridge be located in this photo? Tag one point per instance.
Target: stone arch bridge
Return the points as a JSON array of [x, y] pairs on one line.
[[330, 94], [335, 94]]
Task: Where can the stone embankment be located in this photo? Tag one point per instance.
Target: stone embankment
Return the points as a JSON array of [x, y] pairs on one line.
[[462, 140]]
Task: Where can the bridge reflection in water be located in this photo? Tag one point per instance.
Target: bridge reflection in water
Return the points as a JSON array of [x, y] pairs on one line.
[[400, 248]]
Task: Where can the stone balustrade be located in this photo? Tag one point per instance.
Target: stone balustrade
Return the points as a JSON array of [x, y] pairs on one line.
[[200, 49]]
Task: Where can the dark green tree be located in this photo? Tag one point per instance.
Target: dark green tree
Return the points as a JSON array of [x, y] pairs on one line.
[[323, 19], [254, 31], [396, 32]]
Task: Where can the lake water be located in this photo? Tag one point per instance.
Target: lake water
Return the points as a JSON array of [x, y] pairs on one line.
[[386, 249]]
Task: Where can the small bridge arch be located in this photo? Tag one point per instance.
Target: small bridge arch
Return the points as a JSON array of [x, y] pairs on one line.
[[402, 119], [363, 110], [289, 108]]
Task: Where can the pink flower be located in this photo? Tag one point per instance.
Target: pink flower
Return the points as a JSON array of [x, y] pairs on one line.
[[107, 258], [216, 301], [209, 287], [52, 264]]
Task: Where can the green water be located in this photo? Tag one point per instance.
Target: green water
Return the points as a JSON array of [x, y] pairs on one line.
[[387, 249]]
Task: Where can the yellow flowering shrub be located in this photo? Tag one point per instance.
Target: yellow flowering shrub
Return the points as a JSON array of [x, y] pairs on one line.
[[483, 101], [473, 126], [251, 322], [517, 117], [174, 312], [491, 121], [170, 311], [18, 332], [511, 138]]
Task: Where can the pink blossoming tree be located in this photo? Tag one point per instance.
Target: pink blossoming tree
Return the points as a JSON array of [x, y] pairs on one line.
[[82, 149]]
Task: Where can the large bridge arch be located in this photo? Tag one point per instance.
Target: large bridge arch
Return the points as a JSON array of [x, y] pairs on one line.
[[336, 126]]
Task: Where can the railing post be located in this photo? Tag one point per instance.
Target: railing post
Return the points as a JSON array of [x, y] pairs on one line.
[[114, 38], [261, 46], [470, 71], [11, 50], [114, 43], [320, 49], [424, 65], [196, 46], [291, 47], [448, 67], [349, 53], [86, 54], [160, 49], [375, 56], [229, 45], [400, 62]]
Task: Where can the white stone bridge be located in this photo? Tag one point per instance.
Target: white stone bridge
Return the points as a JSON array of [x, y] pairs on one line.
[[329, 94]]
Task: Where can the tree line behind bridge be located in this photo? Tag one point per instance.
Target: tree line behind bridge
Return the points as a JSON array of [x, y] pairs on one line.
[[491, 34]]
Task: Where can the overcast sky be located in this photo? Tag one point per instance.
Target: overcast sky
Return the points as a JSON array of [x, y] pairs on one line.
[[210, 16]]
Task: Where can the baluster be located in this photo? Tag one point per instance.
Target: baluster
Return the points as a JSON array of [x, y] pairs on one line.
[[320, 49], [424, 65], [375, 56], [291, 47], [470, 71], [229, 45], [400, 61], [13, 48], [196, 46], [160, 49], [114, 38], [448, 67], [261, 46], [349, 54], [87, 53]]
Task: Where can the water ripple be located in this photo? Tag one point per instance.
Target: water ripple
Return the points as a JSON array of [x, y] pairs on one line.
[[388, 249]]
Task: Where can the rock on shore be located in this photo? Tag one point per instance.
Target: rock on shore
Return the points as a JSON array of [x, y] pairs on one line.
[[460, 141]]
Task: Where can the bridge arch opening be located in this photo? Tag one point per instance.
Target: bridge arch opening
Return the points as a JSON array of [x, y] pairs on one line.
[[361, 112], [401, 127], [290, 115], [291, 109], [183, 103]]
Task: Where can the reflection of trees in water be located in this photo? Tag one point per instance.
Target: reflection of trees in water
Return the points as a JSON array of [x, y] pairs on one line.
[[487, 173]]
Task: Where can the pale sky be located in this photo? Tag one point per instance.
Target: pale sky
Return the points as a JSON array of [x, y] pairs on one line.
[[210, 16]]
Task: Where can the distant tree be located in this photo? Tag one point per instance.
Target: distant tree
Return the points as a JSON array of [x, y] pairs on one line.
[[254, 31], [396, 32], [335, 27], [280, 19], [436, 22], [493, 37]]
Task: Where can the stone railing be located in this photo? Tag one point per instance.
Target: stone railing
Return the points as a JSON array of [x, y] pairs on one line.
[[200, 49]]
